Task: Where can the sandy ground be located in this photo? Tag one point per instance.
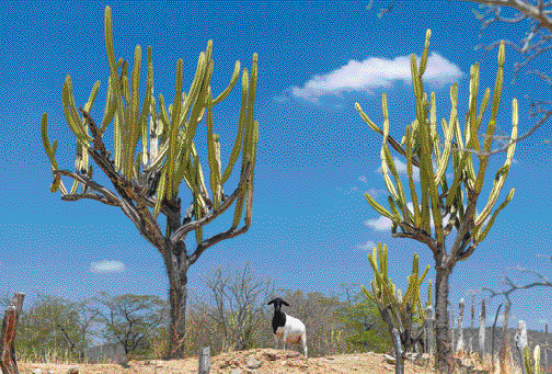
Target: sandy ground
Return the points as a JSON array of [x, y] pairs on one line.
[[259, 361]]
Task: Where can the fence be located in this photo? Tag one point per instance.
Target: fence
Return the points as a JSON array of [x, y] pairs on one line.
[[521, 338], [8, 363]]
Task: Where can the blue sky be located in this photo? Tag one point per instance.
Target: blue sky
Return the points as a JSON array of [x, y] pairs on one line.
[[312, 226]]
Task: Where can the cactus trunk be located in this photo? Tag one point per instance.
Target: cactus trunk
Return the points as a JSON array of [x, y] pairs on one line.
[[444, 361], [177, 273]]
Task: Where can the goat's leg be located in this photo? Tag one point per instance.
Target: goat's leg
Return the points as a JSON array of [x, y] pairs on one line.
[[285, 340], [304, 343]]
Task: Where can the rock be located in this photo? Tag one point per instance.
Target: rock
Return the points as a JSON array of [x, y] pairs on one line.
[[73, 370], [253, 363]]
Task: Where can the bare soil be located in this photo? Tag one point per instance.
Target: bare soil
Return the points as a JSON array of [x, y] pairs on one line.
[[258, 361]]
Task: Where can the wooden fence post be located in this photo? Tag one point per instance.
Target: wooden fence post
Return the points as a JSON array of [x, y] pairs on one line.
[[521, 342], [460, 345], [8, 363], [204, 360]]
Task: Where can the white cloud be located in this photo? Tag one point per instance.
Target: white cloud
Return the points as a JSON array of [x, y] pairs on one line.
[[379, 224], [370, 74], [367, 246], [107, 267]]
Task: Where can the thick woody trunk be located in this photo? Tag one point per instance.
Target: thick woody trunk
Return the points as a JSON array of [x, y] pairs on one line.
[[176, 270], [444, 360]]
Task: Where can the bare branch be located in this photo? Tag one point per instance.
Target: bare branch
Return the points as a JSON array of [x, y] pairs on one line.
[[183, 230], [505, 280], [110, 198]]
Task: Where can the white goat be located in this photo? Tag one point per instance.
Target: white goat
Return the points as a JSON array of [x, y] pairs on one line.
[[287, 328]]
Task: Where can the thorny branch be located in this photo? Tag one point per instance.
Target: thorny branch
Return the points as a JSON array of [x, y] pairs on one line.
[[505, 280]]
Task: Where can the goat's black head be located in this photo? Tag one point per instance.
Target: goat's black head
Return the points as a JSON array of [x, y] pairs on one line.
[[277, 303]]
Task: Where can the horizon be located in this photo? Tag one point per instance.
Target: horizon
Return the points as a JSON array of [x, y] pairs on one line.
[[315, 159]]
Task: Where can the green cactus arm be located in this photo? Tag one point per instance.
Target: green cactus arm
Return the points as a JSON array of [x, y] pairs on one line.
[[472, 140], [423, 62], [378, 208], [110, 107], [160, 193], [217, 195], [164, 116], [458, 174], [173, 132], [383, 259], [214, 162], [197, 82], [202, 186], [527, 360], [502, 173], [239, 207], [510, 196], [426, 171], [199, 204], [384, 159], [116, 84], [146, 107], [367, 120], [70, 111], [400, 196], [370, 297], [444, 160], [492, 122], [241, 126], [196, 115], [51, 152], [233, 80], [483, 108], [249, 197], [92, 97], [196, 100], [249, 125], [413, 194], [131, 129]]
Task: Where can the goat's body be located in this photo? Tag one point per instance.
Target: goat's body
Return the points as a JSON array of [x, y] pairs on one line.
[[286, 328]]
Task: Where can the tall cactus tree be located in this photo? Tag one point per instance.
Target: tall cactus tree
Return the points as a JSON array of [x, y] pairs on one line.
[[148, 184], [416, 223]]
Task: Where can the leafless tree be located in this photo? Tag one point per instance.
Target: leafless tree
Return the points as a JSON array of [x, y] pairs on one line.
[[131, 319], [56, 325], [239, 310]]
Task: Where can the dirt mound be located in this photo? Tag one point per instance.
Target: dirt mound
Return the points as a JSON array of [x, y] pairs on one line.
[[258, 361]]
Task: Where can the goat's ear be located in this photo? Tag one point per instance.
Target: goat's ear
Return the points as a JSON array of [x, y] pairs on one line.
[[270, 302], [286, 304]]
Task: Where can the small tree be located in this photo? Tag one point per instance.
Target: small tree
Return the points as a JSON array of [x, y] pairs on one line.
[[132, 320], [416, 223], [148, 184], [240, 303]]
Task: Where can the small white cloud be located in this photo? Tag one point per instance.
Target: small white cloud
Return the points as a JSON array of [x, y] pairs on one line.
[[367, 246], [282, 98], [107, 267], [373, 73], [362, 178], [379, 224]]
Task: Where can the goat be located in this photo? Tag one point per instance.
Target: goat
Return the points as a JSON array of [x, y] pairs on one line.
[[287, 328]]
